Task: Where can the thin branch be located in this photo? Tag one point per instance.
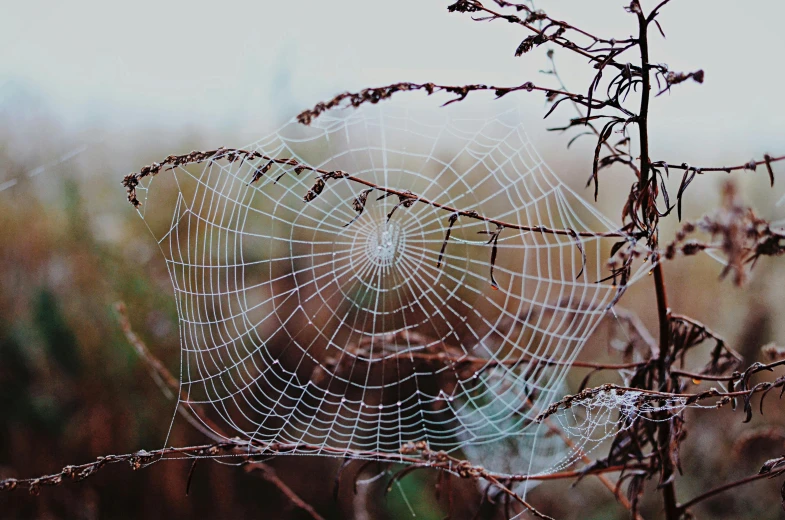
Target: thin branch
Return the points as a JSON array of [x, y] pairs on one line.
[[703, 377], [725, 487], [165, 381], [471, 6], [246, 452], [374, 95], [538, 15], [490, 363], [736, 376], [750, 166], [132, 180], [654, 12], [647, 395], [158, 370], [269, 475]]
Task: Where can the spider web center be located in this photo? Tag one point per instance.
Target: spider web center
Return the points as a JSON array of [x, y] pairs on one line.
[[385, 243]]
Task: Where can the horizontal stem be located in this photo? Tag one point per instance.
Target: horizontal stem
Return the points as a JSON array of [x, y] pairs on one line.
[[446, 358], [727, 169], [374, 95], [234, 154]]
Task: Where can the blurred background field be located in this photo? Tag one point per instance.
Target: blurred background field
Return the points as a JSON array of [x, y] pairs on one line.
[[89, 93]]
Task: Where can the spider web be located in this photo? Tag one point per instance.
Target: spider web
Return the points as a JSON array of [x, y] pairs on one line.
[[351, 326]]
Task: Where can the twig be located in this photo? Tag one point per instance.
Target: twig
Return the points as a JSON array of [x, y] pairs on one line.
[[131, 181], [682, 508], [751, 165], [246, 451], [159, 371], [469, 6], [451, 359], [269, 475], [376, 94], [647, 395]]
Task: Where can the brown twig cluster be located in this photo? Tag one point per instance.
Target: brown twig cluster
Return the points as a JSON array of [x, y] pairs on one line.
[[406, 197], [735, 231]]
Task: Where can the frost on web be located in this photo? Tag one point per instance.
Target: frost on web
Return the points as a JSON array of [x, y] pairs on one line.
[[321, 312]]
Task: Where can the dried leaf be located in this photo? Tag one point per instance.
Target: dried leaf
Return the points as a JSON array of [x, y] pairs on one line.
[[767, 160], [190, 477], [604, 135], [453, 218], [259, 172], [315, 190], [406, 200], [569, 143], [494, 250], [338, 474], [579, 243], [359, 204], [686, 179]]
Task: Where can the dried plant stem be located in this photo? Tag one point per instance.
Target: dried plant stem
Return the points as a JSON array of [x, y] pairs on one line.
[[158, 371], [682, 508], [664, 433], [246, 452], [515, 496], [374, 95], [132, 180], [649, 195], [490, 363], [646, 395], [752, 165], [270, 476], [736, 376], [561, 42]]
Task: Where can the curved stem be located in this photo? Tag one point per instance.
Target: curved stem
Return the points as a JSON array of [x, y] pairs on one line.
[[725, 487]]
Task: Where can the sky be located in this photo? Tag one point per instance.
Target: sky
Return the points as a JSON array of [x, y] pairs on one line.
[[240, 68]]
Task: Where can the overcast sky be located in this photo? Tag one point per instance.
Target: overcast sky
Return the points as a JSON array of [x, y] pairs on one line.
[[244, 66]]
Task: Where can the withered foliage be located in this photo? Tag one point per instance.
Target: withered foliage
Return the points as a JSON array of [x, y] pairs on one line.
[[376, 94], [452, 220], [494, 241], [406, 199], [231, 155], [735, 231], [614, 109], [674, 78], [358, 204]]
